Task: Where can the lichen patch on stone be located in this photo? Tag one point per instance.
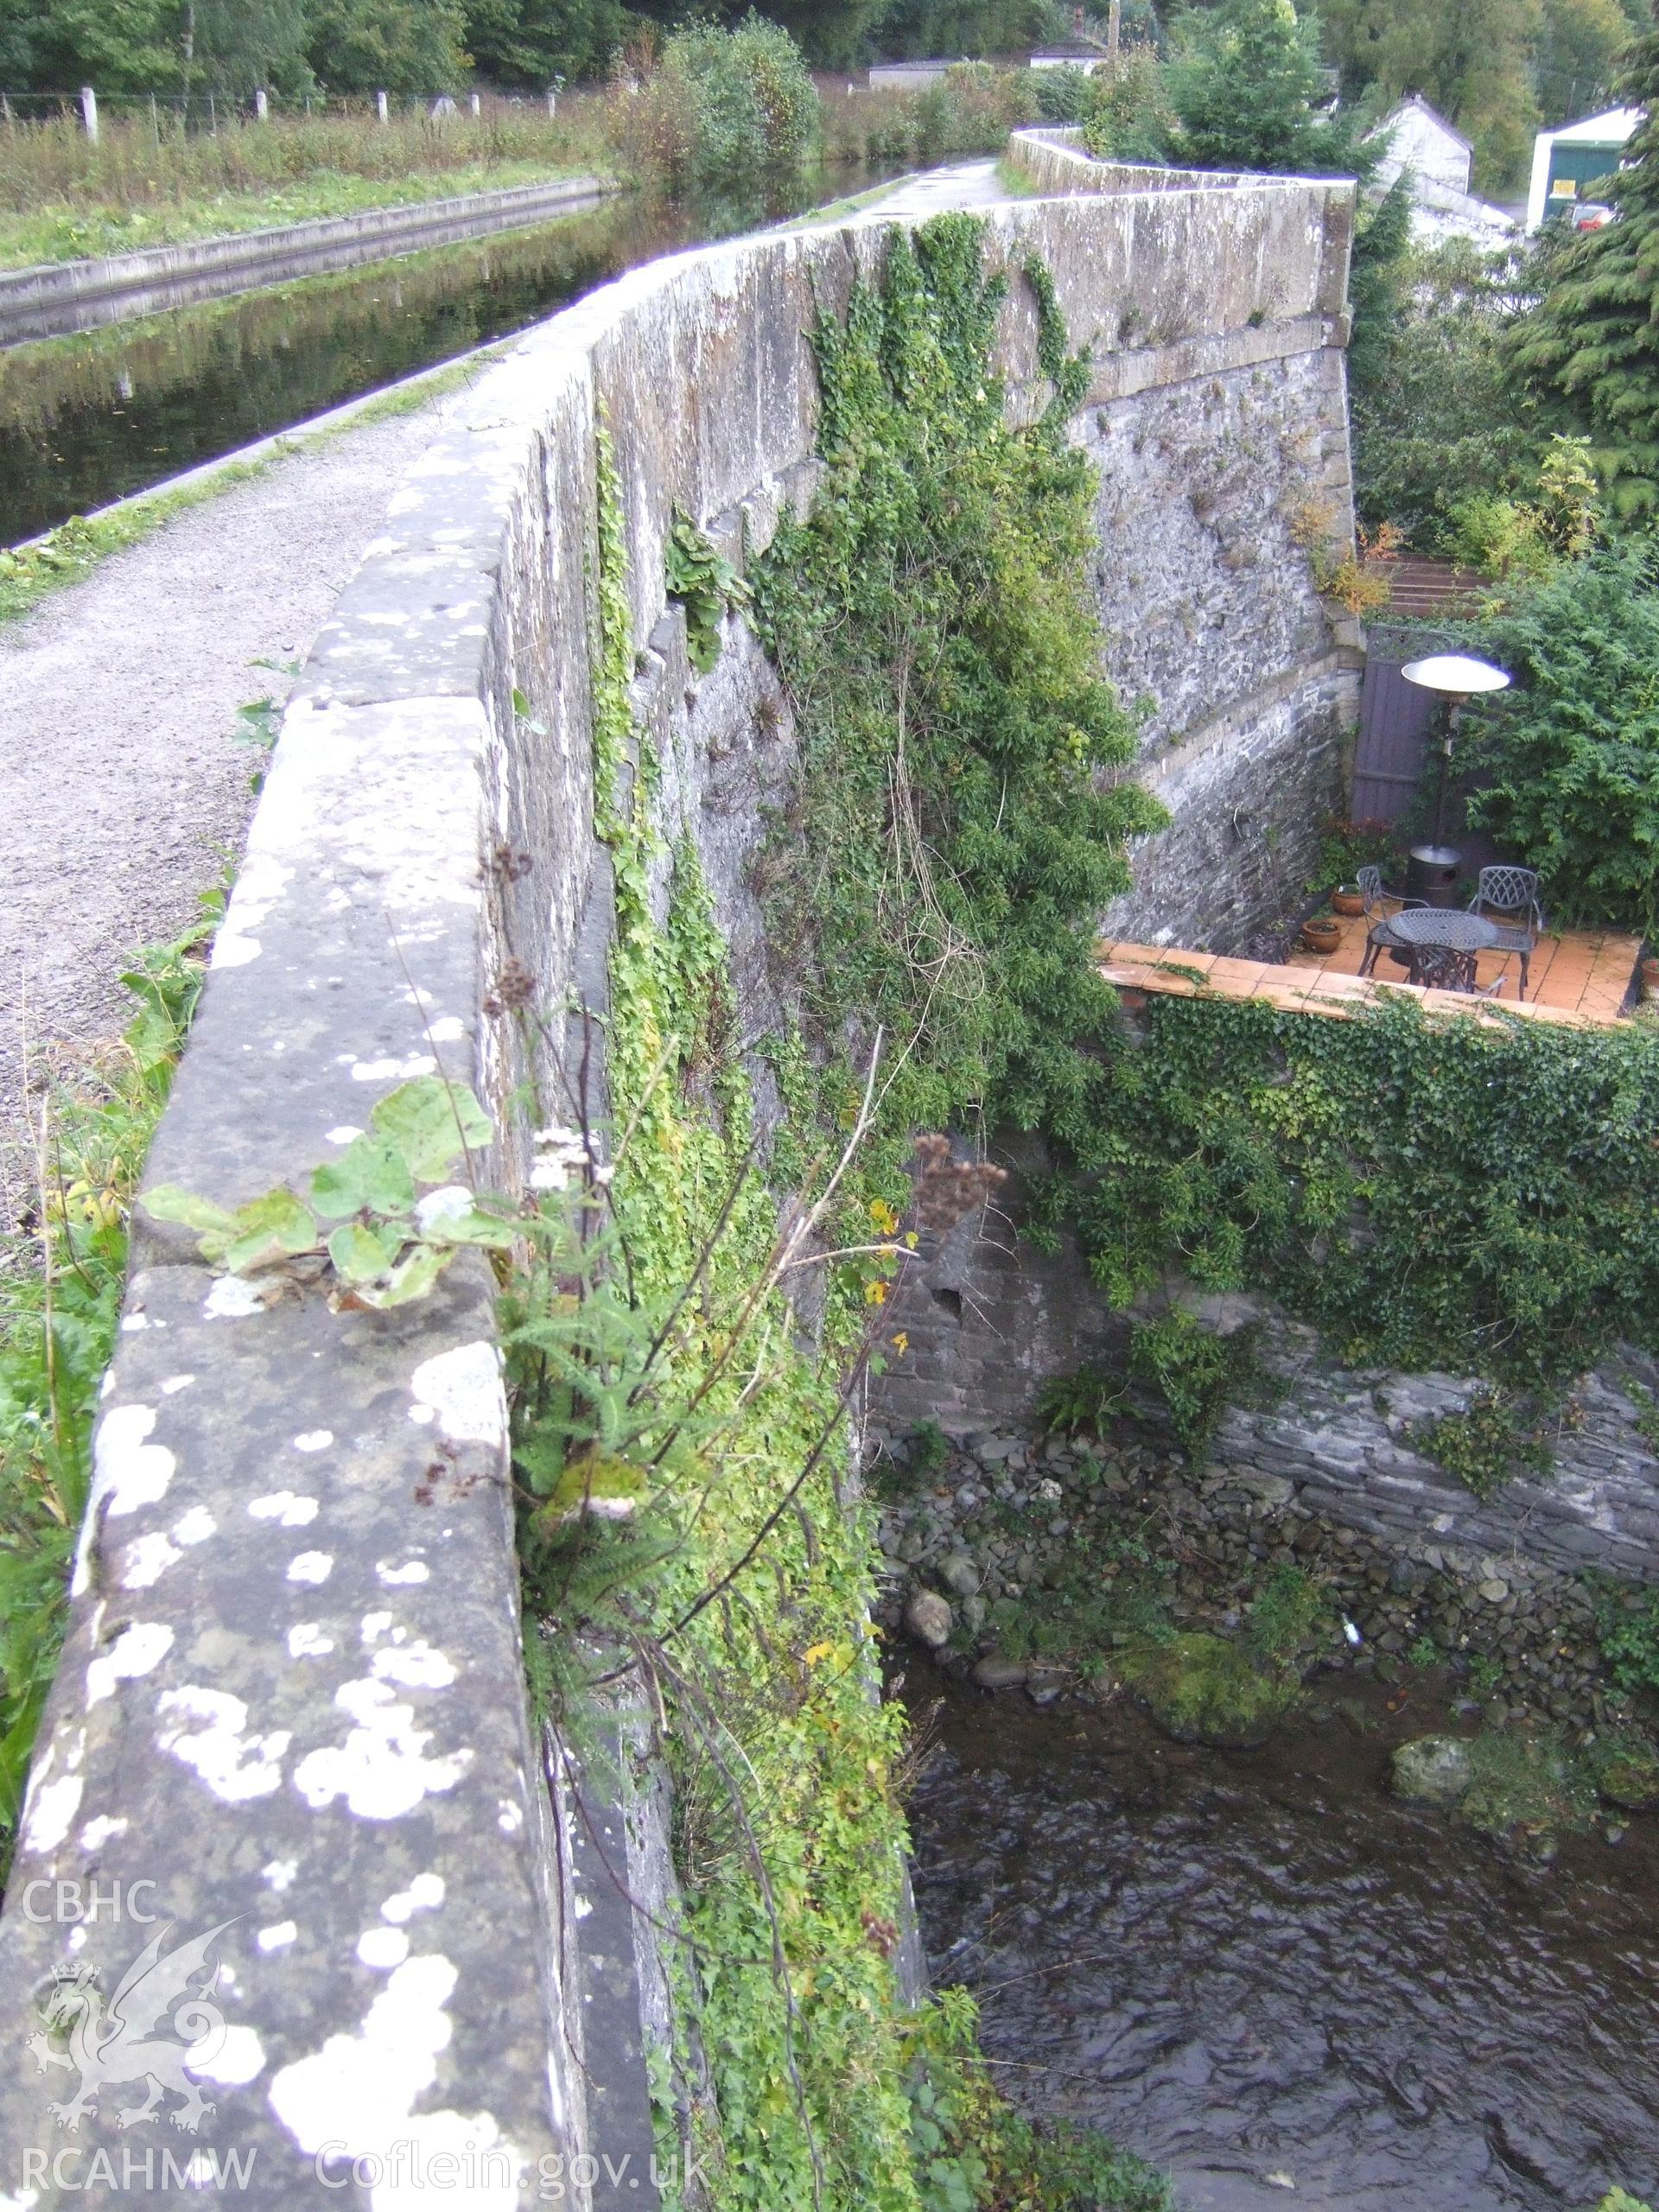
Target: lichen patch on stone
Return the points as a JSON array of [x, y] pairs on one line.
[[206, 1729], [382, 1769]]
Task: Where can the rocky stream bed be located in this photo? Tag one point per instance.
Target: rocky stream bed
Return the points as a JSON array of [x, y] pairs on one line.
[[1400, 1955]]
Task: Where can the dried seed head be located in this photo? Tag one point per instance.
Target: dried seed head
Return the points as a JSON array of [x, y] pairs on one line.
[[944, 1190], [515, 988]]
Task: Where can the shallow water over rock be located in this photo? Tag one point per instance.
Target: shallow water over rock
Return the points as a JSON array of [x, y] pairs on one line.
[[1264, 1974]]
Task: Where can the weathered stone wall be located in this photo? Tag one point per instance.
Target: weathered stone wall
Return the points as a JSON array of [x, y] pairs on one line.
[[291, 1698], [1008, 1514], [987, 1319], [1211, 486]]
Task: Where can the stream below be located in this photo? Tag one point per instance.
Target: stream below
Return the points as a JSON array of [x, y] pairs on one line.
[[1274, 1980], [91, 419]]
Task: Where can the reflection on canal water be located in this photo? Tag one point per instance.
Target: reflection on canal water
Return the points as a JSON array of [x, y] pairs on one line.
[[88, 419], [1276, 1982]]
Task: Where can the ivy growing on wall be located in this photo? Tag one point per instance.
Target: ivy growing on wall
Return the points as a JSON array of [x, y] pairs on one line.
[[680, 1434], [1431, 1194], [962, 806]]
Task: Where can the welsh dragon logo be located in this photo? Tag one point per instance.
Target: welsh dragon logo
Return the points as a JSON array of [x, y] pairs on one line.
[[119, 2045]]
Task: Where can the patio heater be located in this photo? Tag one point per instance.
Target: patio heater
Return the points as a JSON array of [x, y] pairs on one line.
[[1432, 869]]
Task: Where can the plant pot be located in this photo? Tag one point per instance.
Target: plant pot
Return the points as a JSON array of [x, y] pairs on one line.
[[1348, 898], [1322, 936], [1649, 972]]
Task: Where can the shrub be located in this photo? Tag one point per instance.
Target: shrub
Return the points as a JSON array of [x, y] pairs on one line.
[[719, 106], [1435, 418], [1627, 1626], [1347, 847], [1486, 1444], [1198, 1371], [971, 110], [1063, 95], [1129, 117], [1568, 760]]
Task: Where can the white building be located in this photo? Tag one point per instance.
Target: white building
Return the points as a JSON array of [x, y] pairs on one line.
[[1564, 162], [1419, 140], [1415, 138]]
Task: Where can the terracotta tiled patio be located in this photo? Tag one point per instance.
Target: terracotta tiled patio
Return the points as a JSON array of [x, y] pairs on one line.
[[1581, 971], [1578, 976]]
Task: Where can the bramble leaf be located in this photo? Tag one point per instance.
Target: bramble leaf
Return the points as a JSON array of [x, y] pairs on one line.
[[370, 1173], [431, 1122]]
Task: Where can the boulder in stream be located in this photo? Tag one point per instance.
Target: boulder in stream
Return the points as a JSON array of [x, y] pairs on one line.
[[928, 1618], [1433, 1770]]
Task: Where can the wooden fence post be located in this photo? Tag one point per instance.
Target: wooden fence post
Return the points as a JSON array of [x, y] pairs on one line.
[[476, 102], [89, 112], [380, 107], [261, 105]]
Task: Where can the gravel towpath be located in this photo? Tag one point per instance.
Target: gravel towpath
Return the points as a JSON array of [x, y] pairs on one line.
[[124, 788]]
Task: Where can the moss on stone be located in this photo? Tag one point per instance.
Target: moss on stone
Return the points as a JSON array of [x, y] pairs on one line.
[[1204, 1690]]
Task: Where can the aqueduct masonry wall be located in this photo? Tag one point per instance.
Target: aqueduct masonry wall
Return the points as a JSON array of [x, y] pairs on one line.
[[291, 1698]]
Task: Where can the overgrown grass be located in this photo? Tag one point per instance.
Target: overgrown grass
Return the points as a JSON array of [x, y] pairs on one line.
[[64, 198], [971, 110], [60, 1301]]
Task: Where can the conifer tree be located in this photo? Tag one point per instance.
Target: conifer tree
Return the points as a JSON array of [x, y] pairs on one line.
[[1590, 348], [1250, 92]]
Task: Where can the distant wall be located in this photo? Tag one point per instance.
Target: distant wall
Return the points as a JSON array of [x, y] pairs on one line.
[[1208, 487], [291, 1698]]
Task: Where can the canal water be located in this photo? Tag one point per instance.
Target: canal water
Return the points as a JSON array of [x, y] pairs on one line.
[[89, 419], [1274, 1982]]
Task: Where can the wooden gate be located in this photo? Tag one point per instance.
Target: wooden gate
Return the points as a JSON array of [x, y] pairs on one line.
[[1395, 719]]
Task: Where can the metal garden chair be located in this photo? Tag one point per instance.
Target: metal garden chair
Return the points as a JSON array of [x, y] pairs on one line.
[[1381, 906], [1449, 968], [1508, 898]]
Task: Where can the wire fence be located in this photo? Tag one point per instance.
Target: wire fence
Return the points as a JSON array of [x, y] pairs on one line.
[[209, 112]]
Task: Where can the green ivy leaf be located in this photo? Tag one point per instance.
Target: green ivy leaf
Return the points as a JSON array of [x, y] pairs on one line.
[[370, 1175], [431, 1123], [272, 1228]]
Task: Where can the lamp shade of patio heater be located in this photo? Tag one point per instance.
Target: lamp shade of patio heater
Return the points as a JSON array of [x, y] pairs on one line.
[[1432, 871], [1454, 676]]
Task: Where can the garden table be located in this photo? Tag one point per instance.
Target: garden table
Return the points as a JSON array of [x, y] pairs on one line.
[[1419, 926]]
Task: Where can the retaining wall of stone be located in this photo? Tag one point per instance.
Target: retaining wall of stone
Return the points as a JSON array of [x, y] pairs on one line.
[[291, 1701], [55, 298], [988, 1321]]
